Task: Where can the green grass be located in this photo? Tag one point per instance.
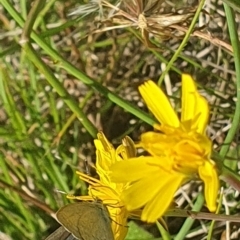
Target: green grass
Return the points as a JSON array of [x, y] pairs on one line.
[[60, 83]]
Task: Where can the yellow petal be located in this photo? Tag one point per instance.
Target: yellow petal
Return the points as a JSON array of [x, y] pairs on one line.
[[106, 156], [127, 148], [194, 106], [104, 159], [142, 191], [130, 170], [157, 207], [208, 174], [154, 143], [106, 145], [158, 104], [201, 117]]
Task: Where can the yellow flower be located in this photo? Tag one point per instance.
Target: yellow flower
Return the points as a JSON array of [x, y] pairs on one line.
[[179, 151], [106, 190]]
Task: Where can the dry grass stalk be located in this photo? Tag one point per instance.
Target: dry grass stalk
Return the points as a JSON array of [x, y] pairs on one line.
[[148, 17]]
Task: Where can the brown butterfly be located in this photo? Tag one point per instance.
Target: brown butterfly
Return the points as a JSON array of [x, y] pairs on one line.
[[84, 221]]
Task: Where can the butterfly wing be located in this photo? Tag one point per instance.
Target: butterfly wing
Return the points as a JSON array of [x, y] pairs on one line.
[[61, 234], [86, 221], [99, 225]]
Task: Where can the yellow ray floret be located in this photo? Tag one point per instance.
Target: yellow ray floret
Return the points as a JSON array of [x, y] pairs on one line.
[[179, 151], [104, 189]]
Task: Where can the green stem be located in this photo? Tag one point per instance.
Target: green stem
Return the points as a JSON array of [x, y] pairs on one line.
[[236, 54], [78, 74], [189, 221], [184, 41], [235, 4], [35, 9], [33, 56], [71, 103]]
